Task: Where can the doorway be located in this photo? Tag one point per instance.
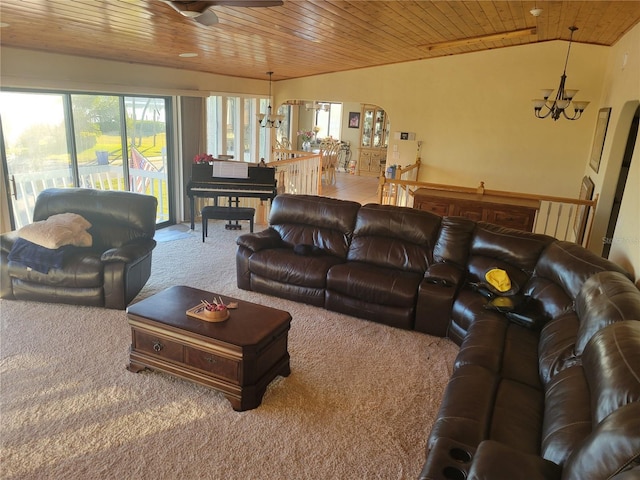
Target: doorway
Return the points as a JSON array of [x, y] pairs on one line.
[[621, 183]]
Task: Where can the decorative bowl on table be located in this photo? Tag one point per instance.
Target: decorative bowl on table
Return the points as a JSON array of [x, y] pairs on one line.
[[217, 314], [215, 311]]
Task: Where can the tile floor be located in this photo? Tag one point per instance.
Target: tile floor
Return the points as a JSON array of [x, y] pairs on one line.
[[361, 189]]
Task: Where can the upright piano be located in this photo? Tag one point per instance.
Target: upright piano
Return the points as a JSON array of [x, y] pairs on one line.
[[257, 182]]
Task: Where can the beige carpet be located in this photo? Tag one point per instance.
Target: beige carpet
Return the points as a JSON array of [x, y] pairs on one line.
[[359, 402]]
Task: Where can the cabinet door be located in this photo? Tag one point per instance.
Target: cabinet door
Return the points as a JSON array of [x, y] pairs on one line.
[[365, 160], [367, 127], [434, 206], [468, 210], [379, 129], [521, 219], [378, 157]]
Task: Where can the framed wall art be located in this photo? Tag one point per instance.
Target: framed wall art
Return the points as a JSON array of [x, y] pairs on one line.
[[354, 119], [582, 212], [598, 138]]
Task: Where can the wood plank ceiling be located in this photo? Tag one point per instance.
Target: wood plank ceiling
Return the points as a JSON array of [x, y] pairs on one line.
[[303, 37]]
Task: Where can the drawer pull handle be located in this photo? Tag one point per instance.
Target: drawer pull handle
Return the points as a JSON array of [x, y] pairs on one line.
[[210, 359], [157, 346]]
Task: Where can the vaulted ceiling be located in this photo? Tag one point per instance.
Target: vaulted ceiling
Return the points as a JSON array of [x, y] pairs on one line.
[[302, 37]]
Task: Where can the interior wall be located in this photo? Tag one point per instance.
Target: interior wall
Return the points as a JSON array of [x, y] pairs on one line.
[[621, 92], [40, 70], [351, 135], [473, 113]]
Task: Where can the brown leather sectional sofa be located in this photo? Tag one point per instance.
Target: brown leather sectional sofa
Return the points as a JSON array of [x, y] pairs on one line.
[[552, 393], [108, 274]]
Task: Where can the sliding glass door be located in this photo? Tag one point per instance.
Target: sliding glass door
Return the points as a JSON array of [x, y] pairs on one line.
[[106, 142], [36, 141]]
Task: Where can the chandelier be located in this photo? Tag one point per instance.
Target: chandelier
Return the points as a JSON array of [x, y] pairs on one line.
[[317, 106], [559, 105], [269, 120]]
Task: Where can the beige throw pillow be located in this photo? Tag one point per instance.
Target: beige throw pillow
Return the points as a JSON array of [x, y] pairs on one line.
[[58, 230]]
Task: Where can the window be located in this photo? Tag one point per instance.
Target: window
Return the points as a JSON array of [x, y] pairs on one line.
[[82, 140], [233, 129], [329, 121]]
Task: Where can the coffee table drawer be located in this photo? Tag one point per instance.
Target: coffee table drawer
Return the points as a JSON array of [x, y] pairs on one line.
[[159, 346], [213, 364]]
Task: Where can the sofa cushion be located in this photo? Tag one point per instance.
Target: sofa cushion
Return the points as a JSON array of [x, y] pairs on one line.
[[454, 239], [373, 284], [498, 345], [605, 298], [57, 231], [82, 269], [567, 414], [496, 461], [479, 404], [556, 345], [307, 295], [513, 247], [285, 266], [553, 298], [570, 265], [611, 362], [394, 237], [327, 223], [612, 447]]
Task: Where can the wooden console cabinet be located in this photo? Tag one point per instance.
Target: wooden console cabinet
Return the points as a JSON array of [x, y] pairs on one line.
[[512, 212]]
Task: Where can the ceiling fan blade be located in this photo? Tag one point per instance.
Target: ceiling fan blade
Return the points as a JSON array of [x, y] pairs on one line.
[[188, 8], [208, 17]]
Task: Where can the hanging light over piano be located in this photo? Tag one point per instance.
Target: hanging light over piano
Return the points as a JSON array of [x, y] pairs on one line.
[[269, 120]]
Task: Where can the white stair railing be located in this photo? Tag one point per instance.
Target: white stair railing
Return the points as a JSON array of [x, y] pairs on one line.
[[564, 218]]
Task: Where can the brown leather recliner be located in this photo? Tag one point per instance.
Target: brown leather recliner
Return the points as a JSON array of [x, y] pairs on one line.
[[108, 274]]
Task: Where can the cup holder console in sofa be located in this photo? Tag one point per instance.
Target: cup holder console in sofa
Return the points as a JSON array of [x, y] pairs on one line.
[[556, 397]]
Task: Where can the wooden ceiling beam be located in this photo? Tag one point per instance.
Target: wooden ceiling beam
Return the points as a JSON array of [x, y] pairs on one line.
[[495, 37]]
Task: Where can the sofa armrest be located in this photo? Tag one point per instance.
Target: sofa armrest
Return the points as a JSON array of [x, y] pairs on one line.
[[496, 461], [436, 295], [265, 239], [129, 252], [445, 274]]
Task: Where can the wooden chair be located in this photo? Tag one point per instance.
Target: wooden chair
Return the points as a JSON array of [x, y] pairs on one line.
[[329, 149]]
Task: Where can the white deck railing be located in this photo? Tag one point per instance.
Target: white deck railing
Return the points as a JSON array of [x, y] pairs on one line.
[[102, 177]]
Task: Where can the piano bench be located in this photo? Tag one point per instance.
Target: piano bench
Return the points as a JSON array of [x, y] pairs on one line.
[[226, 213]]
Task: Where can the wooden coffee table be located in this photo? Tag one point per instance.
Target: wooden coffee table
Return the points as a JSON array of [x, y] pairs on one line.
[[239, 357]]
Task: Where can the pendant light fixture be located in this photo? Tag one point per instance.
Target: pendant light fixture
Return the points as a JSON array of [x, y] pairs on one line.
[[269, 120], [545, 107]]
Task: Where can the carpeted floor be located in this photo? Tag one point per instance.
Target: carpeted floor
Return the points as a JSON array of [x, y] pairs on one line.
[[359, 402]]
